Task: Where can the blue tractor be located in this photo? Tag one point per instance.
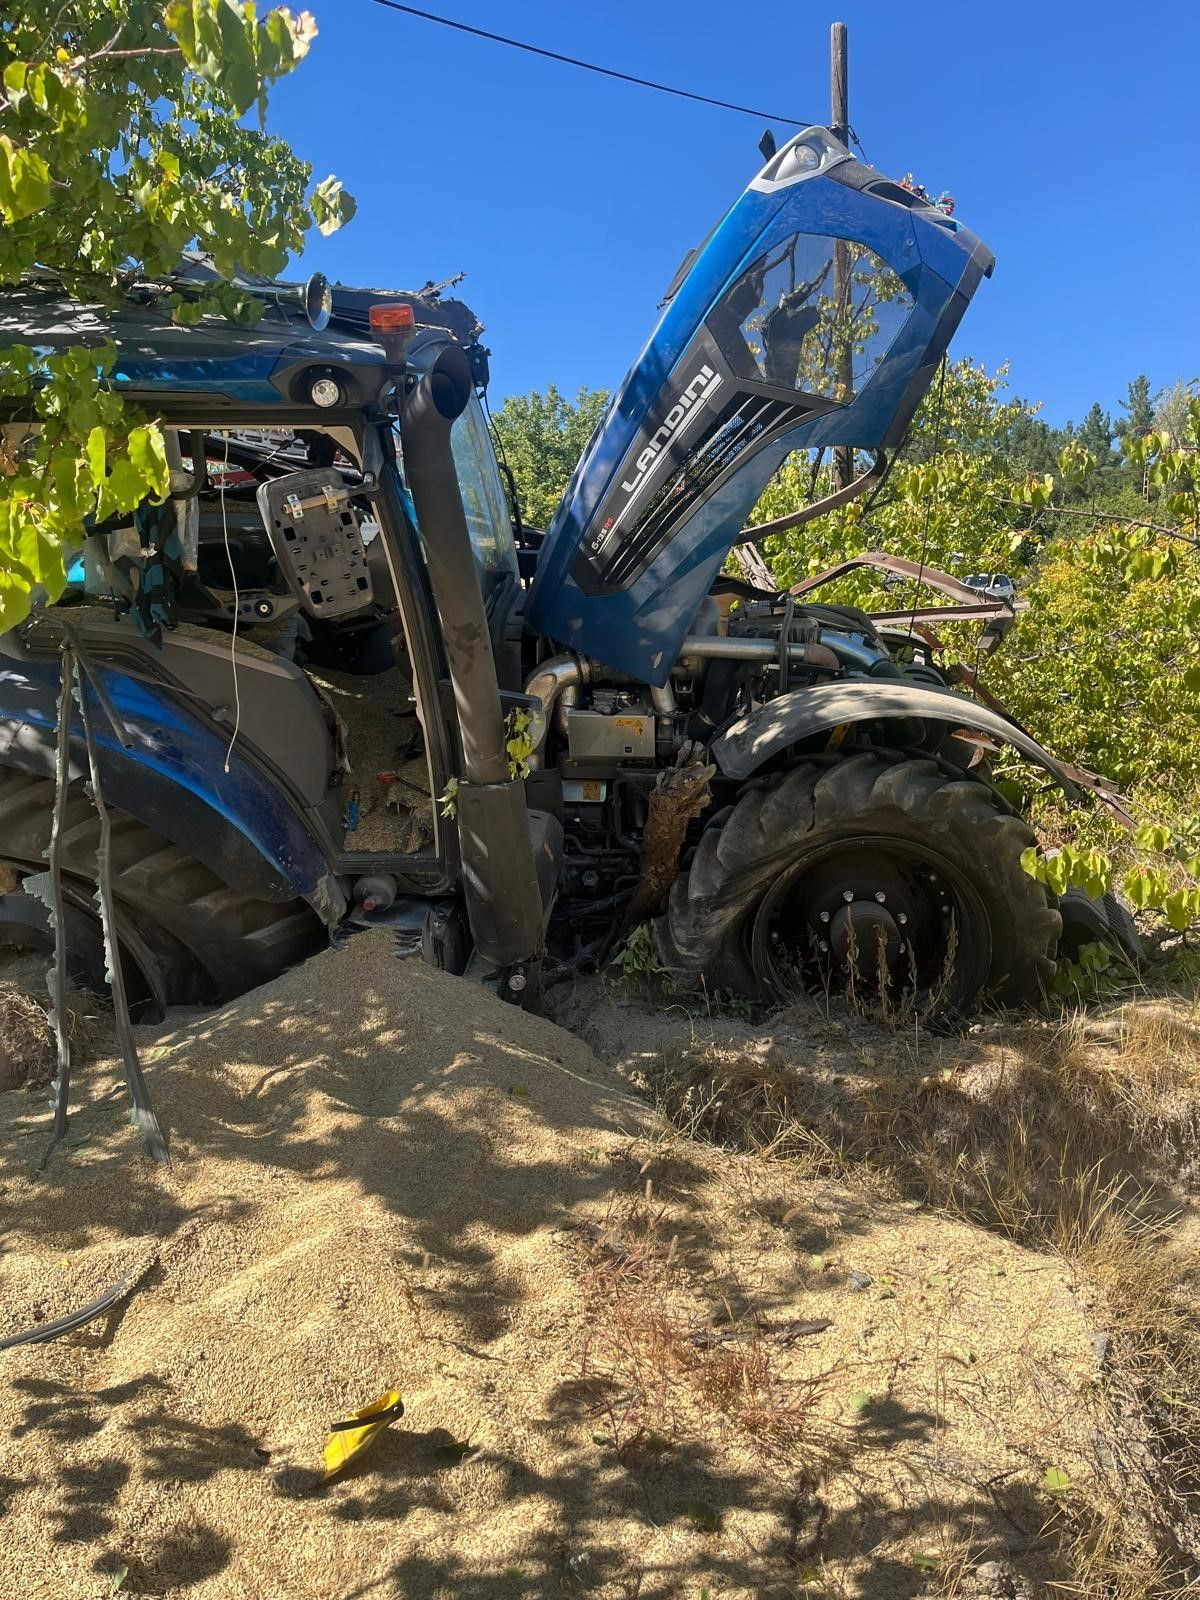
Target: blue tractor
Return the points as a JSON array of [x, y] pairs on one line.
[[335, 681]]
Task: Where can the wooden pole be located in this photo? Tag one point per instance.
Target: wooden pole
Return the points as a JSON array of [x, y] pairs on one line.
[[839, 126]]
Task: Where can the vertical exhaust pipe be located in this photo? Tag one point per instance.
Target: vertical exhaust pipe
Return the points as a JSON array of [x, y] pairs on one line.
[[500, 883]]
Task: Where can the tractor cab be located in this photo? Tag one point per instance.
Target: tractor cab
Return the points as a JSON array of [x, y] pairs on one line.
[[268, 636]]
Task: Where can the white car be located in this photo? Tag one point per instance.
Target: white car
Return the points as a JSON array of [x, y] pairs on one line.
[[995, 584]]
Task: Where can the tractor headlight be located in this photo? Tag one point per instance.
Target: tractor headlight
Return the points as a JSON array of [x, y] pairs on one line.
[[325, 392]]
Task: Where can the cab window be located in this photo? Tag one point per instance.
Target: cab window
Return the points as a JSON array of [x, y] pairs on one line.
[[483, 498]]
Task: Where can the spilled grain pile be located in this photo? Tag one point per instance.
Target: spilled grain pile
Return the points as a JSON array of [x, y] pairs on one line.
[[630, 1363]]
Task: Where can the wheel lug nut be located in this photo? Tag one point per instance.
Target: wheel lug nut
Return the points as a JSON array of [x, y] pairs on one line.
[[881, 897], [848, 896], [824, 916], [902, 918], [824, 947]]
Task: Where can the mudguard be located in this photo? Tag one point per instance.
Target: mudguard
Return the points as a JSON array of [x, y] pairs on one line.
[[773, 728], [814, 315], [172, 779]]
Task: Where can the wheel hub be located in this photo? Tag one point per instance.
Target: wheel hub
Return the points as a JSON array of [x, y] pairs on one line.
[[876, 912], [864, 934]]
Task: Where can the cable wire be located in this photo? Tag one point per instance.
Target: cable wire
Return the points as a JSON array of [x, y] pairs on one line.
[[590, 66]]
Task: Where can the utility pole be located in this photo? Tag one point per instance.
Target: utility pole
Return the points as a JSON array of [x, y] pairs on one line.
[[839, 126], [839, 99]]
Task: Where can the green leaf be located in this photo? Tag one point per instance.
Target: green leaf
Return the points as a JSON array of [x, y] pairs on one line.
[[702, 1516], [42, 556], [122, 490], [1056, 872], [1152, 836], [14, 82], [148, 455], [1056, 1480], [24, 181], [1136, 888], [97, 455], [1178, 909], [456, 1450], [15, 592], [332, 206], [861, 1402]]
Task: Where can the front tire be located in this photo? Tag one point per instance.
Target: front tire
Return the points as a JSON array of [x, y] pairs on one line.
[[185, 936], [890, 874]]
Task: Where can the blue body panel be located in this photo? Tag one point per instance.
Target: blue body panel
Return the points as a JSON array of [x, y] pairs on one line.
[[245, 377], [175, 756], [638, 623]]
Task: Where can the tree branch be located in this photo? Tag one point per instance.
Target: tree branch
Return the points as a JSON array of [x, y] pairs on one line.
[[1103, 516]]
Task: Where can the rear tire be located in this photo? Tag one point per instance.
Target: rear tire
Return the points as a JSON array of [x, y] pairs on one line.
[[186, 937], [897, 872]]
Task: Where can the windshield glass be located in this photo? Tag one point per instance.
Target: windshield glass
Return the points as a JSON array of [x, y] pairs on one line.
[[814, 314], [483, 494]]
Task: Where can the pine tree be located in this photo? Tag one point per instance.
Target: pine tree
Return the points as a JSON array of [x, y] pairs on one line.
[[1096, 434], [1139, 413]]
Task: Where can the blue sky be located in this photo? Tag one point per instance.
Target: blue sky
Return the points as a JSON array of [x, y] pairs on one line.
[[1067, 133]]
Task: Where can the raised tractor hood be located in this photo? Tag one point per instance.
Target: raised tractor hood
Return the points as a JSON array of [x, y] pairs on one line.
[[814, 315]]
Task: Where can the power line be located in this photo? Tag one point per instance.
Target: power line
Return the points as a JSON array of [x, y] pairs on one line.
[[589, 66]]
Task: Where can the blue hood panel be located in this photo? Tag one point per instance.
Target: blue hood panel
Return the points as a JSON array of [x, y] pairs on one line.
[[814, 315]]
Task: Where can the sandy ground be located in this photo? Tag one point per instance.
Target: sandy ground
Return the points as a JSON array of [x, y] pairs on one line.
[[384, 1178]]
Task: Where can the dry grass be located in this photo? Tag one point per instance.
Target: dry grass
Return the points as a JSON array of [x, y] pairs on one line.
[[662, 1374], [1069, 1138], [27, 1048]]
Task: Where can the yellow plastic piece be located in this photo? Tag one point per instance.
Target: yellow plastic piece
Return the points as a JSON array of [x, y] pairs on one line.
[[349, 1438]]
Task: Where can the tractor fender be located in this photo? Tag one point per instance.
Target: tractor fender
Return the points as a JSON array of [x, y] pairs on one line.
[[754, 740], [172, 781]]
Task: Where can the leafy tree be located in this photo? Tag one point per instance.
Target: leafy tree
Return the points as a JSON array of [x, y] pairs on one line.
[[1096, 434], [953, 494], [121, 144], [1139, 413], [1172, 410], [1113, 618], [1029, 443], [1104, 666], [543, 437]]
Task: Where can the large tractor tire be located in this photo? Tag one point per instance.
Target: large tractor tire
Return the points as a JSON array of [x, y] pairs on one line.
[[881, 874], [186, 937]]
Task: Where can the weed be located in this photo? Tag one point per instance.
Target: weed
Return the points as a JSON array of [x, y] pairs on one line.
[[663, 1378], [1065, 1138]]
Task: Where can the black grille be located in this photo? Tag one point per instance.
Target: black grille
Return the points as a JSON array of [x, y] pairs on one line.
[[754, 421]]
